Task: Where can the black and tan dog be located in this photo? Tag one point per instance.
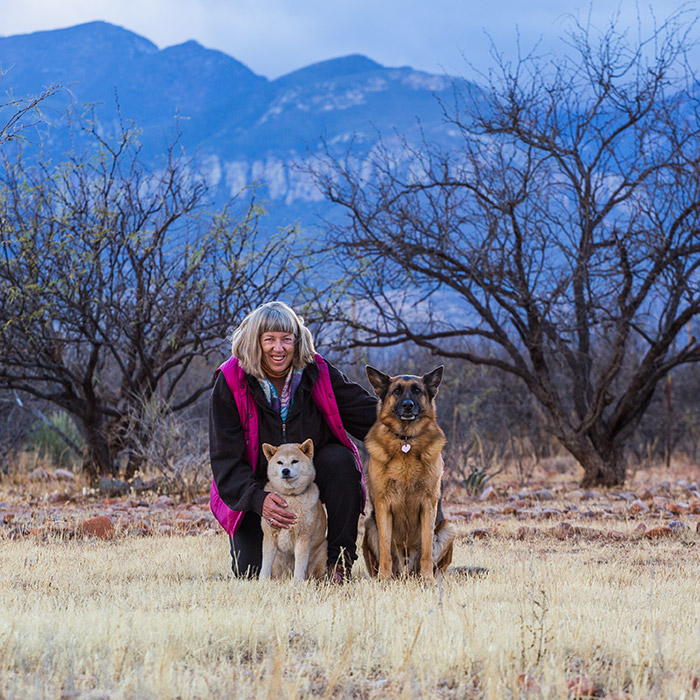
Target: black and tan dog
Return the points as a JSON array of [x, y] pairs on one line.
[[405, 470]]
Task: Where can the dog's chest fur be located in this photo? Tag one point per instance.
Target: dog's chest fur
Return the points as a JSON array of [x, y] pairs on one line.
[[404, 479], [310, 514]]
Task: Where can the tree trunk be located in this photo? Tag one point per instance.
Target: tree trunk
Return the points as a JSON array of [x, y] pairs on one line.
[[602, 466], [98, 457]]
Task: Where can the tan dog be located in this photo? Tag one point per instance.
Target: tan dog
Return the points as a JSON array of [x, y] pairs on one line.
[[405, 470], [302, 549]]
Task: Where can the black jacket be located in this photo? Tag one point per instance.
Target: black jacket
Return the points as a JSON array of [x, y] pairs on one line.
[[238, 487]]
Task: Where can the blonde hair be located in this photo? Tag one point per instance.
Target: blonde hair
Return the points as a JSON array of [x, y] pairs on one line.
[[274, 316]]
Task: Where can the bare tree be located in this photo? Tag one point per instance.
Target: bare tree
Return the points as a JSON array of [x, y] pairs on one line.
[[17, 114], [559, 241], [116, 282]]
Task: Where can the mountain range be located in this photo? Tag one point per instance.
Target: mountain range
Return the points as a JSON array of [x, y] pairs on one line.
[[239, 127]]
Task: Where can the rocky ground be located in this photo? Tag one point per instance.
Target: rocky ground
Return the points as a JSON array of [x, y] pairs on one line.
[[52, 503]]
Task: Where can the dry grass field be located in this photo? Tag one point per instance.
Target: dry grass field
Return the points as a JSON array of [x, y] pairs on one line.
[[592, 607]]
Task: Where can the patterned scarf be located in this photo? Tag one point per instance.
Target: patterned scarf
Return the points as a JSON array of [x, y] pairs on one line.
[[282, 404]]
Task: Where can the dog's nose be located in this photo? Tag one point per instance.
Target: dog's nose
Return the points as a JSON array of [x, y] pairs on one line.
[[285, 473], [407, 405]]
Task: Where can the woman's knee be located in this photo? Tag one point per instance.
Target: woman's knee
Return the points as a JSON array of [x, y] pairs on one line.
[[336, 464]]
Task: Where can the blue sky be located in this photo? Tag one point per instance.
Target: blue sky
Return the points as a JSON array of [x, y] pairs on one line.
[[273, 37]]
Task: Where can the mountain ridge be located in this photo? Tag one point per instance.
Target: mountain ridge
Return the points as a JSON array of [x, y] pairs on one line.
[[241, 127]]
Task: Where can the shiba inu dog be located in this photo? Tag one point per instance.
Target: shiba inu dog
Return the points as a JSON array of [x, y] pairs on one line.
[[302, 549]]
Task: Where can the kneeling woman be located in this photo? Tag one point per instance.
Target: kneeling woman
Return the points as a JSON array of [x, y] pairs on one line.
[[276, 389]]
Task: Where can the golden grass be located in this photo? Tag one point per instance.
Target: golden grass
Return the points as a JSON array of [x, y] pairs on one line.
[[160, 617]]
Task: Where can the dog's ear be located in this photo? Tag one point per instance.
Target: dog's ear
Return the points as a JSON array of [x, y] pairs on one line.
[[432, 381], [307, 448], [378, 380], [268, 450]]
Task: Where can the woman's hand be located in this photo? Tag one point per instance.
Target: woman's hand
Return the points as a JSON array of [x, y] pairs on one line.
[[275, 513]]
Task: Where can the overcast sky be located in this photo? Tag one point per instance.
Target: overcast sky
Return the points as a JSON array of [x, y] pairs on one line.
[[273, 37]]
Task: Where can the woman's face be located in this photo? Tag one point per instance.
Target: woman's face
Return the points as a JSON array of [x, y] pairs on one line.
[[277, 349]]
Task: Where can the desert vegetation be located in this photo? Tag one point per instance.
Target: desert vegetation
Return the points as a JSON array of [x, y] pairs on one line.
[[554, 593]]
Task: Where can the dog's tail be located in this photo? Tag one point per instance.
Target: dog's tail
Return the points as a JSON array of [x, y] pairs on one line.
[[443, 544]]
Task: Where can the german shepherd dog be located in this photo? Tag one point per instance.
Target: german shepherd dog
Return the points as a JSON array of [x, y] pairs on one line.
[[405, 470], [302, 549]]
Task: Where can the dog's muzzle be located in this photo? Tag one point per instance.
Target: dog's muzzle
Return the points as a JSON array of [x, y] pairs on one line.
[[407, 410]]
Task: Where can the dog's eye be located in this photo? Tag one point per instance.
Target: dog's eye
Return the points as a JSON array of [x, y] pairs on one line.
[[417, 391], [279, 461], [294, 461], [398, 391]]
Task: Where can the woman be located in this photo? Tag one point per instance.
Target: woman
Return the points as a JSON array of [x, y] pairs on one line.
[[276, 389]]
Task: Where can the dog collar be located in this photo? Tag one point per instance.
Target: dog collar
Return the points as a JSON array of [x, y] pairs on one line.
[[404, 438]]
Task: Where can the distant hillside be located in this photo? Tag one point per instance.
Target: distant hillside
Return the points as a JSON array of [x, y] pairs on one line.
[[241, 126]]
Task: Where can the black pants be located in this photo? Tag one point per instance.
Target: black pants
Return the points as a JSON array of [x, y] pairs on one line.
[[338, 482]]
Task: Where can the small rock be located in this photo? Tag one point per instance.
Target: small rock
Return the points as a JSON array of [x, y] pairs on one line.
[[646, 494], [658, 532], [139, 485], [694, 508], [589, 533], [638, 506], [590, 495], [678, 526], [164, 501], [480, 534], [63, 475], [100, 526], [550, 513], [543, 495], [640, 529], [488, 494], [564, 530], [462, 515], [39, 474], [660, 501], [112, 487], [8, 518], [526, 513], [59, 497], [615, 535]]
